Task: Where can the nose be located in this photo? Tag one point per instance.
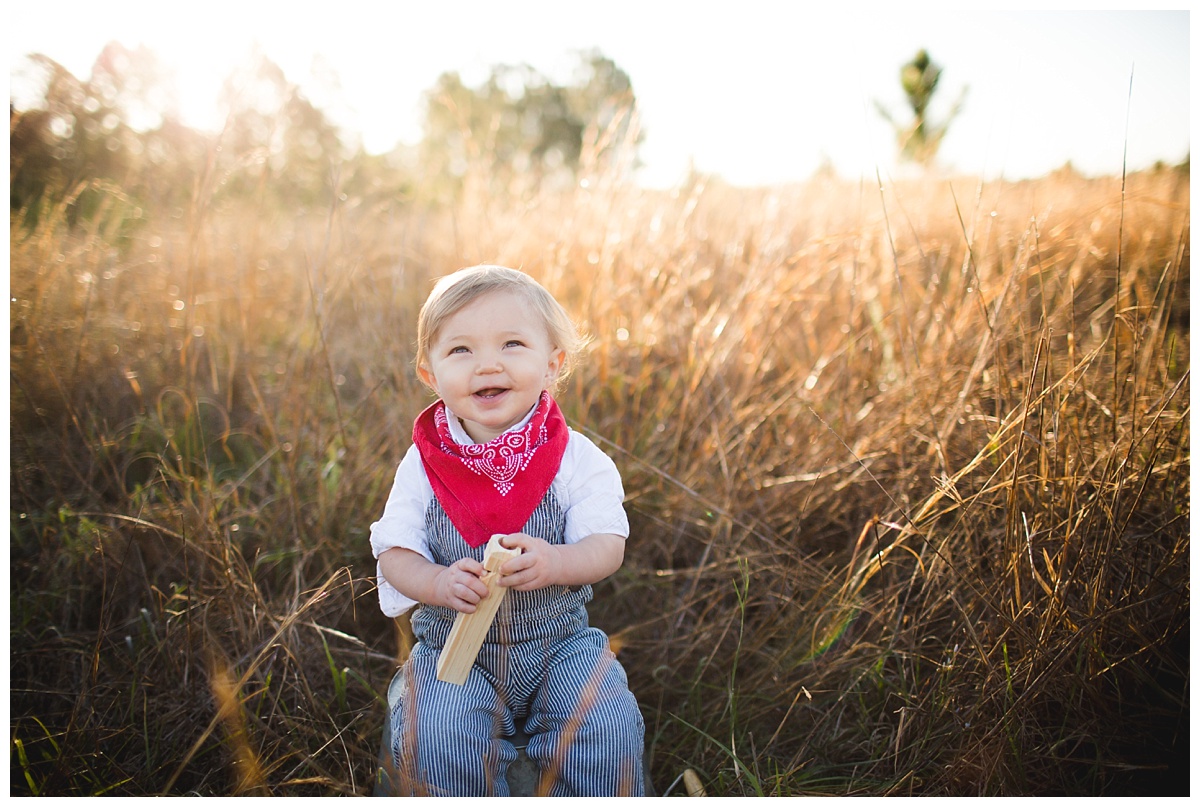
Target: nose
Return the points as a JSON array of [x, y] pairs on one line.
[[488, 365]]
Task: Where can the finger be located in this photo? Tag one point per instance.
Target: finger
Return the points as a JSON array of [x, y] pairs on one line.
[[516, 540], [473, 589], [526, 579], [518, 567], [527, 582], [517, 564], [471, 566]]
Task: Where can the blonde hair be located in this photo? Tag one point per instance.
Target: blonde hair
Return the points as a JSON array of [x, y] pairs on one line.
[[454, 291]]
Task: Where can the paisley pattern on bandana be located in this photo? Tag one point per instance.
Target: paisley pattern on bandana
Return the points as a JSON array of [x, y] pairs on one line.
[[501, 459], [492, 487]]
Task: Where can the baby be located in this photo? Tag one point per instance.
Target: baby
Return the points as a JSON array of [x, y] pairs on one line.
[[494, 455]]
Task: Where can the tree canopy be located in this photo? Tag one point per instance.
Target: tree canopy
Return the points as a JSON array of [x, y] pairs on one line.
[[118, 132], [519, 122]]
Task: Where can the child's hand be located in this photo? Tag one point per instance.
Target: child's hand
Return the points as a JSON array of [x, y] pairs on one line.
[[459, 586], [539, 564]]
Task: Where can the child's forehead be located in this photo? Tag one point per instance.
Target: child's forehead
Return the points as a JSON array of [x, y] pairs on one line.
[[499, 301]]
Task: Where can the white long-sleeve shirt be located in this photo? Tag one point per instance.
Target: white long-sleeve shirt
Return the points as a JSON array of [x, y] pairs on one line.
[[588, 486]]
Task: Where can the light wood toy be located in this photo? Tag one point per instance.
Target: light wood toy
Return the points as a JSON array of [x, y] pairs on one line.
[[469, 630]]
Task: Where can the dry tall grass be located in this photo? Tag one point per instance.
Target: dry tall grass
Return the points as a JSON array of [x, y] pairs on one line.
[[908, 471]]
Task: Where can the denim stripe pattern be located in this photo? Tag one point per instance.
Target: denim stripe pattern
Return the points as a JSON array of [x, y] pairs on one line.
[[542, 669]]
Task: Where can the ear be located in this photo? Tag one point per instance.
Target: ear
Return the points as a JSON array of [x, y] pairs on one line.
[[557, 358], [427, 377]]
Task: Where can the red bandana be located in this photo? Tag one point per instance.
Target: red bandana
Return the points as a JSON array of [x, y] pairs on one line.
[[492, 487]]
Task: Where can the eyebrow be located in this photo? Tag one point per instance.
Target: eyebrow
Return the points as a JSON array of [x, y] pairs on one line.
[[465, 338]]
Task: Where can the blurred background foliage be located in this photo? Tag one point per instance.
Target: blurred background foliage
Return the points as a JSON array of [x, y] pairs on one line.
[[120, 128]]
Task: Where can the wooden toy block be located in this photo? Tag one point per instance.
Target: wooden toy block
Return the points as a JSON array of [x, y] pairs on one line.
[[469, 630]]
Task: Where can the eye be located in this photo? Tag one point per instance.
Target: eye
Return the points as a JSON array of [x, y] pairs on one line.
[[457, 349], [514, 343]]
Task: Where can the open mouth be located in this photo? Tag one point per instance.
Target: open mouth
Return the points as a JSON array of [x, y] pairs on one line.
[[490, 392]]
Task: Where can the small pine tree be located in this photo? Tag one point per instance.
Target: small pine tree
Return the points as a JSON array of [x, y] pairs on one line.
[[919, 140]]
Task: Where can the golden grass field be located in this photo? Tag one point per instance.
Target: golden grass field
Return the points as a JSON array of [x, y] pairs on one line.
[[908, 471]]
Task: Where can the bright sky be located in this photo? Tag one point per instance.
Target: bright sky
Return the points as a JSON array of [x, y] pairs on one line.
[[753, 90]]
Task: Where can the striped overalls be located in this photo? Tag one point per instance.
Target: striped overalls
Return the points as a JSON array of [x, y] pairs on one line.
[[541, 668]]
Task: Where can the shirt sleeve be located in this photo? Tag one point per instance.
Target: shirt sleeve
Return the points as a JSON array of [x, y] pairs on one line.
[[591, 485], [402, 525]]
